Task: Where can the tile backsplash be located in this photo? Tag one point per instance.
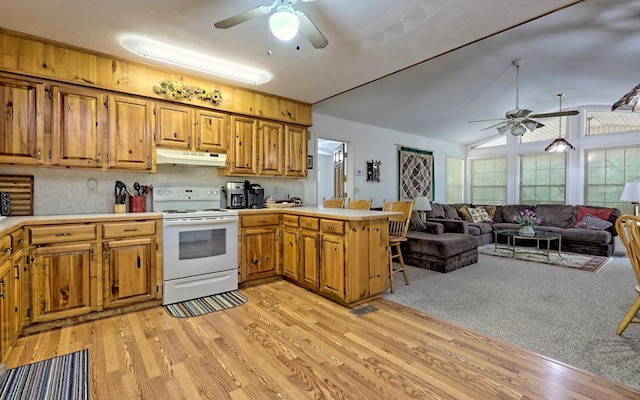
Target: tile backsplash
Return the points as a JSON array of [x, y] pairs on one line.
[[66, 191]]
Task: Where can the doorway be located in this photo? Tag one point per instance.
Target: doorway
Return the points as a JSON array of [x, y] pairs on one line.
[[332, 169]]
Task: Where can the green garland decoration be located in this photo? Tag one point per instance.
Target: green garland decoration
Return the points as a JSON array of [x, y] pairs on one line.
[[178, 90]]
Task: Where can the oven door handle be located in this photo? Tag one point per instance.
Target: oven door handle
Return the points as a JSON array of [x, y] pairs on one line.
[[205, 221]]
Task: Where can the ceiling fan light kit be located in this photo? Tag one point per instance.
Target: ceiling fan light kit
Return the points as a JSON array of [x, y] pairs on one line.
[[284, 24], [180, 57]]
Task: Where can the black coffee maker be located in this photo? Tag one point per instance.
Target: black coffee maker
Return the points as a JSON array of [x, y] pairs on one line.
[[254, 194]]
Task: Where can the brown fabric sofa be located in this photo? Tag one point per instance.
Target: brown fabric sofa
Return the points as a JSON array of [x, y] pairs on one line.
[[555, 217]]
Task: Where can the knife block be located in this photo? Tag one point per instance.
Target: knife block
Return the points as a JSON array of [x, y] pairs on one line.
[[119, 208], [137, 204]]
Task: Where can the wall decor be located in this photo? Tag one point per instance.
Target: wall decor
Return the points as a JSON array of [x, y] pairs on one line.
[[416, 173], [373, 171]]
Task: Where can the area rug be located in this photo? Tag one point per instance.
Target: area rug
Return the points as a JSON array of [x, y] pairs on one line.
[[63, 377], [206, 305], [580, 262]]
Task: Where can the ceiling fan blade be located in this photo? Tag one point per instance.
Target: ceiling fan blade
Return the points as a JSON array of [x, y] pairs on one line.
[[311, 32], [487, 120], [518, 113], [492, 126], [242, 17], [556, 114]]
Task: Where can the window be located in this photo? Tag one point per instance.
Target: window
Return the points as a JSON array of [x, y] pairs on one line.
[[603, 122], [455, 180], [489, 181], [542, 178], [606, 172]]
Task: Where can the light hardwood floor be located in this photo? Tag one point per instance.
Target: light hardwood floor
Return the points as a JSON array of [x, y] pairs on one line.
[[287, 343]]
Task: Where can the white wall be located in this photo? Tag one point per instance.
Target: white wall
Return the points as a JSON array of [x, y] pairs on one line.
[[325, 177], [368, 142]]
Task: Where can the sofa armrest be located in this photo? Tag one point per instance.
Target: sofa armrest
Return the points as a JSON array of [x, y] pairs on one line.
[[433, 227], [451, 225]]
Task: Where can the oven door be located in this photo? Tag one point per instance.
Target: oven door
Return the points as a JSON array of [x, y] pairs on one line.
[[199, 246]]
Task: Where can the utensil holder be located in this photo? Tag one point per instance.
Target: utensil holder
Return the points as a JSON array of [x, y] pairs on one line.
[[119, 208], [137, 204]]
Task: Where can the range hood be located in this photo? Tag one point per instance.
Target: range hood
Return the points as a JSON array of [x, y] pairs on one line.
[[183, 157]]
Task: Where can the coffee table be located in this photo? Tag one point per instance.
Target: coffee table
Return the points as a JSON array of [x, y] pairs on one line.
[[539, 236]]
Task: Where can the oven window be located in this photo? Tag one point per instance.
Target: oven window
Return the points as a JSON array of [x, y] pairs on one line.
[[202, 244]]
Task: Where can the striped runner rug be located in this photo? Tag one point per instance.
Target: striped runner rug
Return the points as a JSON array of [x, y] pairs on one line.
[[206, 305], [63, 377]]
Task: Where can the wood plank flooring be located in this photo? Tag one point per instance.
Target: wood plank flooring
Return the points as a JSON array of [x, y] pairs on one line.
[[287, 343]]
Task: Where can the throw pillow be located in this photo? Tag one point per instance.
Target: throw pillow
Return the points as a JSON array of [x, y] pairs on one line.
[[602, 213], [479, 214], [464, 213], [415, 222], [594, 223], [491, 210]]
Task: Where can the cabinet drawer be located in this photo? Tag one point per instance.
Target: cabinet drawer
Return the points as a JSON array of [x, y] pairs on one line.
[[248, 221], [329, 226], [290, 220], [5, 247], [128, 229], [61, 233], [309, 223], [17, 239]]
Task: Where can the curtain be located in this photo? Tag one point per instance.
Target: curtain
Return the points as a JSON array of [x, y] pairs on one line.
[[416, 173]]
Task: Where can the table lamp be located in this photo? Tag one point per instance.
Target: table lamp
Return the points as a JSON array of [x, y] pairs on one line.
[[631, 193], [421, 204]]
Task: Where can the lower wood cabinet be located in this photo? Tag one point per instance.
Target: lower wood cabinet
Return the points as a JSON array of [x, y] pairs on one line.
[[332, 266], [64, 281], [310, 253], [290, 248], [259, 246], [129, 273]]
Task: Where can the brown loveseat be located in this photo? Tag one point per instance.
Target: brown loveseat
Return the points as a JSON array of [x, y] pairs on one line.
[[583, 238]]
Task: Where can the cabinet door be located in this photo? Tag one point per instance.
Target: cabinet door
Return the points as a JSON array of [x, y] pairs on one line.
[[130, 140], [271, 136], [17, 305], [61, 281], [243, 153], [260, 253], [130, 271], [309, 259], [212, 129], [290, 253], [77, 127], [174, 126], [6, 312], [22, 122], [332, 266], [295, 151]]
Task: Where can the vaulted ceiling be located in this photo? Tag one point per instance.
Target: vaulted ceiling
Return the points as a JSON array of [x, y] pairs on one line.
[[417, 66]]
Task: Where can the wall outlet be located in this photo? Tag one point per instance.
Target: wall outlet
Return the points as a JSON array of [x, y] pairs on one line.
[[356, 190], [92, 185]]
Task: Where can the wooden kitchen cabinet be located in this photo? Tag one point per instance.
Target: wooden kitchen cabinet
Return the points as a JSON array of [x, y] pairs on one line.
[[271, 146], [77, 127], [259, 247], [130, 262], [189, 128], [63, 270], [22, 134], [130, 138], [290, 247], [12, 309], [332, 259], [6, 312], [295, 151], [242, 157], [212, 130]]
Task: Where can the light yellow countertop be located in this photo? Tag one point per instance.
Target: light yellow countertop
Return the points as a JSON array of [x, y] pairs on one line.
[[321, 212]]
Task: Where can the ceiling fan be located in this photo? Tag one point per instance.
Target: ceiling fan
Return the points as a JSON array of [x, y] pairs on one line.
[[518, 120], [284, 23]]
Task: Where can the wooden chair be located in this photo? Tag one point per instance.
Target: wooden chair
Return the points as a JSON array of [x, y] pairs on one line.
[[628, 228], [398, 227], [360, 204], [335, 202]]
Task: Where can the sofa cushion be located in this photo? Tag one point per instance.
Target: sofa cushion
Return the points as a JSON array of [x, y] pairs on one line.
[[591, 222], [602, 213], [559, 215], [450, 211], [464, 213], [415, 222], [433, 228], [587, 236], [444, 246], [511, 210], [480, 227], [437, 211]]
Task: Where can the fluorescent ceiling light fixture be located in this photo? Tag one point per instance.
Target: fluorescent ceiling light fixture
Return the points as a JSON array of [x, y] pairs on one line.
[[284, 24], [180, 57]]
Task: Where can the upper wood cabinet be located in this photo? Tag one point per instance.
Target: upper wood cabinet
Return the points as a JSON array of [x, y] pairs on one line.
[[243, 149], [189, 128], [130, 136], [270, 154], [295, 146], [77, 127], [22, 122]]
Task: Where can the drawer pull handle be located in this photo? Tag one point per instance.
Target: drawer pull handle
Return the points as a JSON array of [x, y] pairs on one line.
[[262, 221], [7, 249], [64, 234], [332, 228], [2, 293], [131, 230]]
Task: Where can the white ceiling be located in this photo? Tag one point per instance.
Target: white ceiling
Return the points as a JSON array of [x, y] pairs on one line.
[[589, 51]]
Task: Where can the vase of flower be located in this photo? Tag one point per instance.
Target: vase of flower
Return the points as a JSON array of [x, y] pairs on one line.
[[526, 230]]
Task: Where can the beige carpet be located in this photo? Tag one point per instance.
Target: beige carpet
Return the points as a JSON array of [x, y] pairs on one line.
[[575, 261]]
